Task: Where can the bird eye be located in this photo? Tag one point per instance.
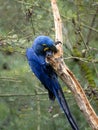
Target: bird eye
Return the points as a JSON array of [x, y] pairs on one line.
[[45, 47], [44, 44]]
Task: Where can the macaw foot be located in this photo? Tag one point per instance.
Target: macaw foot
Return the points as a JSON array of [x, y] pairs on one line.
[[50, 109]]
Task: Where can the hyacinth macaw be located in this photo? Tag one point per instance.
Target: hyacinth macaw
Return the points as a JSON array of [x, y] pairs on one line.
[[36, 56]]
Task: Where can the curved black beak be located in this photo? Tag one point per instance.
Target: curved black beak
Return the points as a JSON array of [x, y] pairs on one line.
[[53, 48], [58, 42]]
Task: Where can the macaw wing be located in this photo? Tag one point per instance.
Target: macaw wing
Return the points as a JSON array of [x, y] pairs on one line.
[[43, 71]]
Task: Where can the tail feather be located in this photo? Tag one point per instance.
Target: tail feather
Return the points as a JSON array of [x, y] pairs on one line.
[[63, 103]]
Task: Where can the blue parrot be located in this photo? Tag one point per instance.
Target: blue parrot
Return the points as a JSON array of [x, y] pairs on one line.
[[36, 56]]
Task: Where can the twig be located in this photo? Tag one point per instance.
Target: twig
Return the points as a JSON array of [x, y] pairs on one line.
[[9, 79], [81, 24], [81, 59], [89, 27], [57, 22], [92, 24], [17, 95]]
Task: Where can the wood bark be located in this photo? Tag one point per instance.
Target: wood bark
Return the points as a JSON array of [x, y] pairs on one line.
[[67, 76]]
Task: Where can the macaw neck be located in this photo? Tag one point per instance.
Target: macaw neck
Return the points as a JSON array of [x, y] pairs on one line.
[[42, 58], [38, 50], [40, 55]]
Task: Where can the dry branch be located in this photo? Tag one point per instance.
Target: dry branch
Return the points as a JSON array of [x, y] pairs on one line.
[[57, 22], [68, 77]]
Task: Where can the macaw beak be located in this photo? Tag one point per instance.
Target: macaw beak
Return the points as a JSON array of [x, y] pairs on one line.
[[58, 42], [53, 48]]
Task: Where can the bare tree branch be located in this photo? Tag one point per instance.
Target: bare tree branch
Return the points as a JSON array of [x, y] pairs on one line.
[[68, 77]]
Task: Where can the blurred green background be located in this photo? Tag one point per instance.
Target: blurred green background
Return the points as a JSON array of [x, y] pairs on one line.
[[24, 102]]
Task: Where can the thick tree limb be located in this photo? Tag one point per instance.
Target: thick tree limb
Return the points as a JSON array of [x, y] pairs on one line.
[[68, 77]]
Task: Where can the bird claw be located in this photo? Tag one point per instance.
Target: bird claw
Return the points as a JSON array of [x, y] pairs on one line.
[[50, 109]]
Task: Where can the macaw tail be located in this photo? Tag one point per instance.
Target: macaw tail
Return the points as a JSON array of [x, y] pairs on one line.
[[63, 103]]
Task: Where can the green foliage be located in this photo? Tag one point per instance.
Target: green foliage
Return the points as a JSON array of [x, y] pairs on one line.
[[4, 111], [23, 100], [85, 68]]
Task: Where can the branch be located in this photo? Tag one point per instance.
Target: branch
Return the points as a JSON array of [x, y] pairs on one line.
[[9, 79], [57, 22], [68, 77], [22, 95], [92, 23], [89, 27]]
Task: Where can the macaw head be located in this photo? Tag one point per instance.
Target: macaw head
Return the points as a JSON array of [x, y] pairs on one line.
[[42, 44]]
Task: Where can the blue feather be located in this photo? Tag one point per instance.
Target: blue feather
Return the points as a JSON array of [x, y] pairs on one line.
[[46, 74]]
